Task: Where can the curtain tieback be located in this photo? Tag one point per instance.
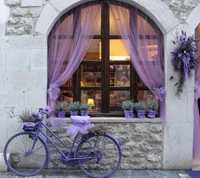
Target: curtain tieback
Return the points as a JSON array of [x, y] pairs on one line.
[[196, 92], [160, 93], [53, 91]]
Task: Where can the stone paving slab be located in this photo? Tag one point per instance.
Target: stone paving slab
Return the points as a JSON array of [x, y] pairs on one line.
[[57, 173]]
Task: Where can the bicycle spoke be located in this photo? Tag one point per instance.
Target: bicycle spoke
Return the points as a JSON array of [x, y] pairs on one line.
[[26, 160], [106, 152]]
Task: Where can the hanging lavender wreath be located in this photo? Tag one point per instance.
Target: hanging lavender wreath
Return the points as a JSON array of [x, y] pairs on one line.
[[184, 59]]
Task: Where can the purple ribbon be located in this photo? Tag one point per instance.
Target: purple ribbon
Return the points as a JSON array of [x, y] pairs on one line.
[[160, 93], [53, 91]]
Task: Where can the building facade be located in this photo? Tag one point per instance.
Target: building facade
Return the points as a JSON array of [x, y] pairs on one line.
[[24, 30]]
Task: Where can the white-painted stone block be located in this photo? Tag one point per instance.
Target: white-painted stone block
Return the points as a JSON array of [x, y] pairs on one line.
[[193, 19], [178, 133], [2, 29], [3, 167], [31, 3], [2, 53], [38, 58], [46, 21], [26, 41], [2, 82], [60, 5], [37, 80], [18, 58], [17, 80], [3, 128], [178, 146], [13, 99], [35, 99], [158, 11]]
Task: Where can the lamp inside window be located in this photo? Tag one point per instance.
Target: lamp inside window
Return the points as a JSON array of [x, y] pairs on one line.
[[91, 103]]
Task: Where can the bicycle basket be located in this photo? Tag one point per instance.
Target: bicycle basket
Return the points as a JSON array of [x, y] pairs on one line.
[[29, 126]]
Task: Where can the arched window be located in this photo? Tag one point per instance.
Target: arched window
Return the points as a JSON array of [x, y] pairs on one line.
[[106, 76]]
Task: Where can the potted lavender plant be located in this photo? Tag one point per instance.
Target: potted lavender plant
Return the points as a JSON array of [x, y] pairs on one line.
[[61, 109], [153, 107], [140, 109], [84, 109], [74, 108], [128, 107]]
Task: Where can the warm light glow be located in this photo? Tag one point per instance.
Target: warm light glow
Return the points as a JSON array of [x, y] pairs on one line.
[[90, 102], [152, 49], [117, 51]]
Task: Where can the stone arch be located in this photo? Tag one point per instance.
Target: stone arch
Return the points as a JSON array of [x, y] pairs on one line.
[[194, 19], [154, 9]]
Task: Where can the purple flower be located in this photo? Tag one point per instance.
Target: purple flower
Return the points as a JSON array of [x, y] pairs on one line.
[[184, 58], [124, 79]]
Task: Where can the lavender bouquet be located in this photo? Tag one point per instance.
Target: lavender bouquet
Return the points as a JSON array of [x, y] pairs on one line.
[[184, 59]]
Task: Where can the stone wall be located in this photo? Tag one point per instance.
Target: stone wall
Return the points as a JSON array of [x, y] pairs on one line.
[[142, 144], [24, 14]]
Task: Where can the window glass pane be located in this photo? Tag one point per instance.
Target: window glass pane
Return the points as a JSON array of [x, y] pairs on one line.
[[92, 97], [94, 51], [116, 99], [84, 14], [118, 16], [140, 83], [90, 75], [144, 95], [66, 95], [118, 51], [69, 83], [120, 75]]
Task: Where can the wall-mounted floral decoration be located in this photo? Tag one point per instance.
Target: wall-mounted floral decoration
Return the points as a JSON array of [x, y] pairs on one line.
[[184, 59]]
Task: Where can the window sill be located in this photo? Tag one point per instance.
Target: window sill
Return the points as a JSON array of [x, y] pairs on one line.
[[120, 119]]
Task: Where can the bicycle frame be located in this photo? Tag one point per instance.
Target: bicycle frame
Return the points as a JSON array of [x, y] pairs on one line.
[[87, 150], [70, 147]]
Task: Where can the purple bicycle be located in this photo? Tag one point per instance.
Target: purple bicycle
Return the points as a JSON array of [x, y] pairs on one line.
[[98, 154]]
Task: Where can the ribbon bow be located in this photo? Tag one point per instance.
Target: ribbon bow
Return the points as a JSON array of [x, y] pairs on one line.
[[160, 93], [53, 91]]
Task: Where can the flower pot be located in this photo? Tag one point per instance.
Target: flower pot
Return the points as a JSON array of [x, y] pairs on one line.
[[73, 113], [151, 114], [129, 114], [84, 112], [141, 114], [61, 114]]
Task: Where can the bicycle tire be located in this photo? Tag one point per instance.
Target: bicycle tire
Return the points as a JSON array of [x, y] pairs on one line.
[[98, 155], [19, 160]]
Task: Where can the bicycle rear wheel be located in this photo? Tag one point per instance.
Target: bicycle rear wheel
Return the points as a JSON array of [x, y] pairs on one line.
[[24, 156], [99, 155]]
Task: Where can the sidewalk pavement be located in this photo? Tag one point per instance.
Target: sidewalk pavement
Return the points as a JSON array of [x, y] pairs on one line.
[[61, 173]]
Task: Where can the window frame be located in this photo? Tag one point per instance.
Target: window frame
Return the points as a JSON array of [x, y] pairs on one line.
[[105, 62]]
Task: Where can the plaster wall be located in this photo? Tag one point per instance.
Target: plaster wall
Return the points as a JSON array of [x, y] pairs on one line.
[[23, 67]]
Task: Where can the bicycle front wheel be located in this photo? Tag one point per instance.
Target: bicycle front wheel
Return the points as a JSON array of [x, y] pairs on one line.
[[24, 155], [99, 155]]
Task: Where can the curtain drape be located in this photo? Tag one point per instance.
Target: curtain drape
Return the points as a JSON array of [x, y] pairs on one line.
[[196, 141], [68, 43], [144, 42]]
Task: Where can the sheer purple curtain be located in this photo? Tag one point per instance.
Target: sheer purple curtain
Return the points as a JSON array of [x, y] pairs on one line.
[[196, 141], [144, 42], [68, 43]]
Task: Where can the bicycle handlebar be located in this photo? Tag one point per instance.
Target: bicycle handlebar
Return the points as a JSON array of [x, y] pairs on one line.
[[41, 112]]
